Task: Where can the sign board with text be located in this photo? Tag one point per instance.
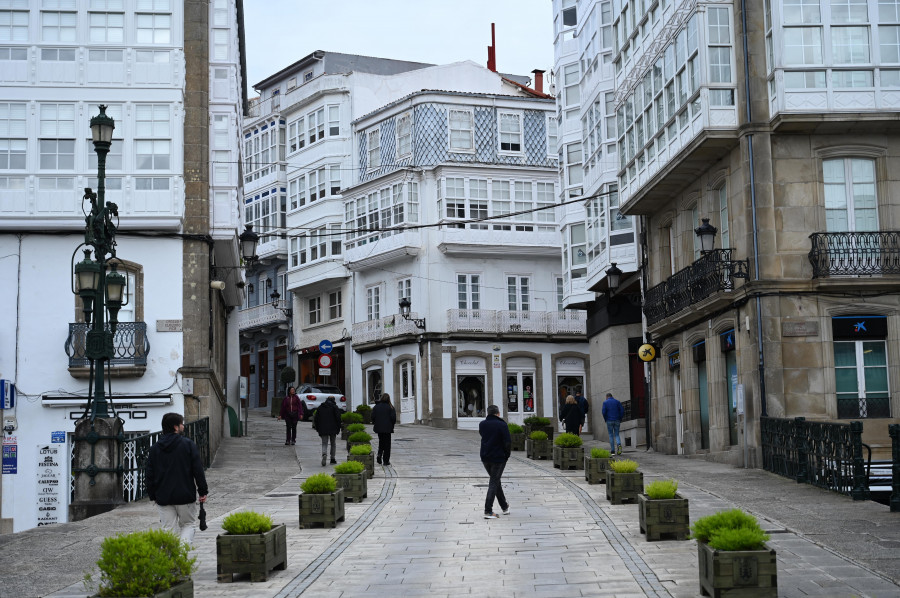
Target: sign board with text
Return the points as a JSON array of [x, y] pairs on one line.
[[50, 503]]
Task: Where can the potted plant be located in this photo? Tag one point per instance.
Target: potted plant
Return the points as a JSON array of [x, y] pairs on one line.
[[152, 563], [355, 428], [357, 438], [538, 446], [517, 434], [251, 544], [595, 466], [568, 452], [623, 481], [661, 510], [363, 454], [366, 412], [733, 556], [535, 424], [351, 476], [321, 501], [347, 419]]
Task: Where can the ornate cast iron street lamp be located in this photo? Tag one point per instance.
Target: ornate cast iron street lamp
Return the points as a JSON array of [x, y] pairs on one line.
[[101, 292], [276, 304], [707, 233], [613, 275]]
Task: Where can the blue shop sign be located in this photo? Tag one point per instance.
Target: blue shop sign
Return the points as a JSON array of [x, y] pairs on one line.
[[10, 459], [57, 436]]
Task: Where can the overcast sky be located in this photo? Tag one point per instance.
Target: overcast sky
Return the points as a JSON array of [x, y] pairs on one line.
[[280, 32]]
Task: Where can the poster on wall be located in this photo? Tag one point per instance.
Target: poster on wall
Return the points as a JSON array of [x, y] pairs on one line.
[[49, 482]]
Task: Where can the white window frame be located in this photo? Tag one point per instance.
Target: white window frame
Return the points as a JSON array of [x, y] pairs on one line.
[[511, 135], [373, 302], [404, 135], [335, 305], [849, 197], [467, 131], [314, 311], [468, 290], [519, 292], [373, 152]]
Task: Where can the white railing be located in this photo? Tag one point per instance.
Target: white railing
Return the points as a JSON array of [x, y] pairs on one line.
[[260, 316], [516, 322], [384, 328]]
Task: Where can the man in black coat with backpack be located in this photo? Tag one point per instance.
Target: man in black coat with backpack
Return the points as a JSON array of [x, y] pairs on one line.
[[496, 447]]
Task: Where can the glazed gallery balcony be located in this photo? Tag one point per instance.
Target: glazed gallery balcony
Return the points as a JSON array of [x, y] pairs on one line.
[[130, 349], [855, 254], [713, 273], [516, 322], [261, 315]]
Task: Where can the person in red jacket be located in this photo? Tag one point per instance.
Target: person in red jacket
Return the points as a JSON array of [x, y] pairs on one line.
[[291, 413]]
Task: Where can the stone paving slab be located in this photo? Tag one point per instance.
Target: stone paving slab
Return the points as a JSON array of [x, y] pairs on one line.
[[420, 531]]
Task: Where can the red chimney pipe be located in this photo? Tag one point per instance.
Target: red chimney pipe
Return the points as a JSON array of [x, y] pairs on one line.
[[538, 80], [492, 52]]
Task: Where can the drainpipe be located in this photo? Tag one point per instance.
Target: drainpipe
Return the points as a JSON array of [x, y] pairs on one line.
[[761, 358]]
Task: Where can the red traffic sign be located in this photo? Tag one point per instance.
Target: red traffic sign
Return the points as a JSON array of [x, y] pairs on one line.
[[325, 361]]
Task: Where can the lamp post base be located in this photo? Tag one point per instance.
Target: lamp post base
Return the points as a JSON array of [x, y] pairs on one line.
[[98, 451]]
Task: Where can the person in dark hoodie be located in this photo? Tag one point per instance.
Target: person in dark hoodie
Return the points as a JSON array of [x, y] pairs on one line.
[[327, 422], [384, 416], [175, 477], [496, 446]]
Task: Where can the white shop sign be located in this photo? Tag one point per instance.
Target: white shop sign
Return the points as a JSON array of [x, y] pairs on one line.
[[470, 364], [574, 365], [49, 483]]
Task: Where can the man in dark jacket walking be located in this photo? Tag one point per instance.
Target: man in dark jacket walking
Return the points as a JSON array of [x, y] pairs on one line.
[[496, 446], [585, 408], [327, 422], [175, 477], [384, 416]]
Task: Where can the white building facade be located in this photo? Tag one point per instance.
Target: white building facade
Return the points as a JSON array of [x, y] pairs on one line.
[[453, 209], [595, 234], [178, 219]]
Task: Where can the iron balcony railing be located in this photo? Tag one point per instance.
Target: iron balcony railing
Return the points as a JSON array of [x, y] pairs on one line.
[[855, 254], [137, 449], [712, 273], [824, 454], [130, 344]]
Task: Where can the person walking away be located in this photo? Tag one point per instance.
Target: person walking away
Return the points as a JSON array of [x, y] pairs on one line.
[[585, 408], [572, 416], [291, 413], [384, 416], [613, 412], [496, 446], [327, 422], [175, 477]]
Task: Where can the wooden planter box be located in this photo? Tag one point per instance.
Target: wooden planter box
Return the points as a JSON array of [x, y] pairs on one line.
[[737, 574], [326, 509], [255, 554], [595, 470], [344, 433], [660, 517], [538, 449], [623, 486], [367, 460], [184, 589], [518, 441], [548, 429], [354, 485], [568, 457]]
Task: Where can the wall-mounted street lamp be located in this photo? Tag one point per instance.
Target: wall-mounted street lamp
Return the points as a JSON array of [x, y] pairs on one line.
[[707, 233], [405, 304], [249, 240], [276, 304], [613, 276]]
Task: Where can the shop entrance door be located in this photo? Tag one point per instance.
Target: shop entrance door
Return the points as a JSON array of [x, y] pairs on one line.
[[521, 398], [572, 385]]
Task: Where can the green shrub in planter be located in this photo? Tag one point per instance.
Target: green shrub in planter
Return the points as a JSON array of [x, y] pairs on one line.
[[534, 420], [354, 428], [568, 440], [661, 489], [143, 563], [320, 483], [247, 522], [361, 449], [363, 409], [516, 429], [599, 453], [623, 466], [351, 418], [706, 528], [539, 435], [349, 467], [360, 437]]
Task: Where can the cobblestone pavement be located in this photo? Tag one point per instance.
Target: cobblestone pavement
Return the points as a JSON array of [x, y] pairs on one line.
[[420, 531]]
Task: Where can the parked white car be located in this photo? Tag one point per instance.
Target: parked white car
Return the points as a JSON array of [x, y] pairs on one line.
[[314, 395]]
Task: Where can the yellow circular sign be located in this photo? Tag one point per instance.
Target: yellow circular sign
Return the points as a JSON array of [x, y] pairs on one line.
[[647, 352]]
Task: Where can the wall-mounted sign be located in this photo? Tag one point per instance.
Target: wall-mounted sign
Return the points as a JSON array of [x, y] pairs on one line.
[[324, 371], [647, 352], [10, 459], [726, 341], [325, 360], [674, 361], [57, 437], [49, 484], [800, 328], [168, 325], [859, 327]]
